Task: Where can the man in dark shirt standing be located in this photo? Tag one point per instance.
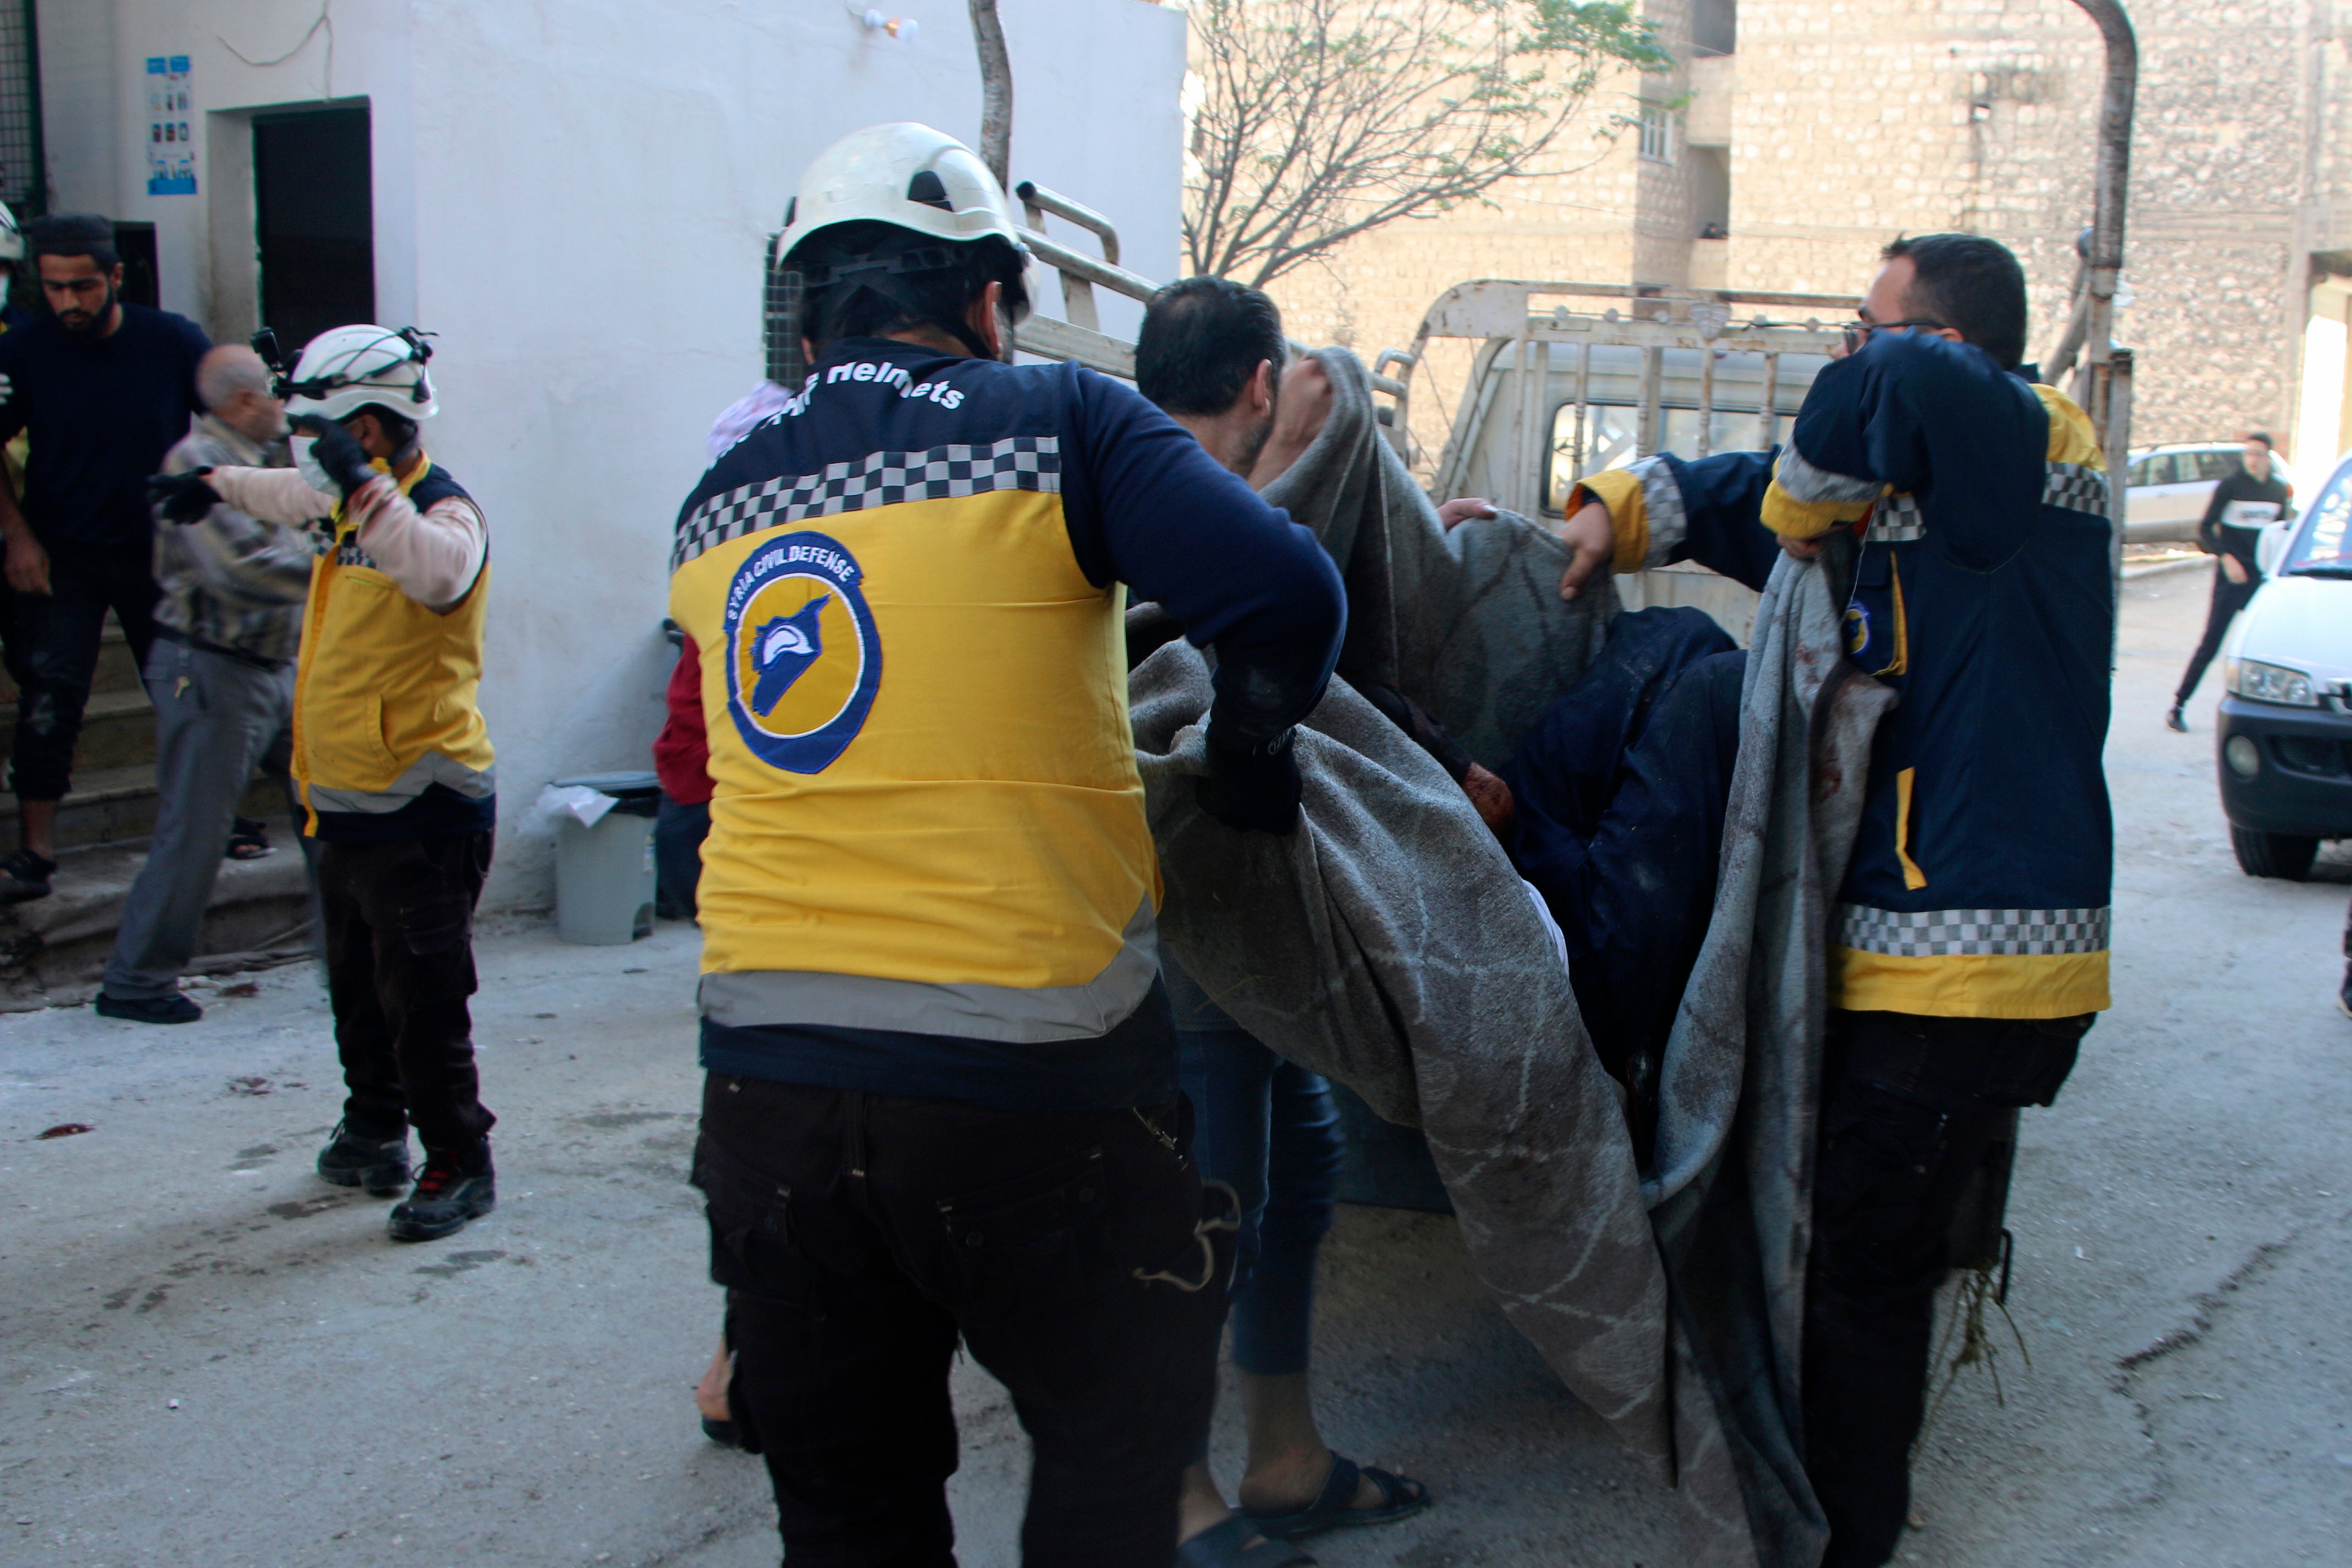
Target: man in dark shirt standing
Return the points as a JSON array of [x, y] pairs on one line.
[[2242, 506], [104, 388]]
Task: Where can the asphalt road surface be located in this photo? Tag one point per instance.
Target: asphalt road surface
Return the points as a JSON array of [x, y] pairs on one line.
[[208, 1358]]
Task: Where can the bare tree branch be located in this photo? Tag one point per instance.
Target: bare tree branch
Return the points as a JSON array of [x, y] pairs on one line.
[[1325, 119], [995, 91]]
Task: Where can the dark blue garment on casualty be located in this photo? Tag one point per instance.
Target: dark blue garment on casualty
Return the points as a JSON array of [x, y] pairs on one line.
[[100, 415]]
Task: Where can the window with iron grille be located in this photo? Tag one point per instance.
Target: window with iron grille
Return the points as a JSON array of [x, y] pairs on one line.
[[1657, 133], [22, 185]]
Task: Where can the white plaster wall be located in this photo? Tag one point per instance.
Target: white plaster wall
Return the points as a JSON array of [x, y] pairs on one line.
[[575, 195]]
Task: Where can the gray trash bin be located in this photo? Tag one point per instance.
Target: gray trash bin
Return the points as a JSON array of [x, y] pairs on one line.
[[604, 874]]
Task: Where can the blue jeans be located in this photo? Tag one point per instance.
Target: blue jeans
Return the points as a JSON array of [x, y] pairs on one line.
[[678, 833], [1266, 1128]]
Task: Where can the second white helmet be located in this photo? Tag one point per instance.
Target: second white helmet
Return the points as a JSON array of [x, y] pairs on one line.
[[345, 369]]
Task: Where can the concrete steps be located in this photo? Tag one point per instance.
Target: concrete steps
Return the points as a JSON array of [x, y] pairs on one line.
[[109, 804], [55, 949]]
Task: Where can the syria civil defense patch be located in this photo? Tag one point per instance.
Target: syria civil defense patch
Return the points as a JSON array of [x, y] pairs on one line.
[[1858, 630], [803, 659]]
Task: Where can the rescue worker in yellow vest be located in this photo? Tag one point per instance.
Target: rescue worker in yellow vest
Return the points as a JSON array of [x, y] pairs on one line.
[[941, 1100], [391, 757]]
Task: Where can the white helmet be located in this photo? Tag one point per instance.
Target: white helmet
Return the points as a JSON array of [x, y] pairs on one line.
[[878, 175], [345, 369], [12, 238], [911, 177]]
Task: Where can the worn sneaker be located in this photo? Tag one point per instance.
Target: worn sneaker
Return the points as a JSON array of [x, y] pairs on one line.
[[447, 1194], [354, 1160], [176, 1008], [23, 876], [2173, 720]]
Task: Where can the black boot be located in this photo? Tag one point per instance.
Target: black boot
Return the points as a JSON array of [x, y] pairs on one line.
[[355, 1160], [25, 875], [453, 1189], [176, 1008], [2173, 720]]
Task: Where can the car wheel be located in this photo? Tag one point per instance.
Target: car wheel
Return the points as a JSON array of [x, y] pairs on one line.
[[2285, 855]]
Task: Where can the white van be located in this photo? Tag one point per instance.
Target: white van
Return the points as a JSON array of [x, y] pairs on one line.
[[2286, 732]]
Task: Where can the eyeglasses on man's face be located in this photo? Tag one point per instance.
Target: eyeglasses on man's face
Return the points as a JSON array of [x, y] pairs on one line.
[[1858, 332]]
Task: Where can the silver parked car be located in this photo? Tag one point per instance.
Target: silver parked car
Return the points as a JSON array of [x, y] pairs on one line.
[[2167, 487]]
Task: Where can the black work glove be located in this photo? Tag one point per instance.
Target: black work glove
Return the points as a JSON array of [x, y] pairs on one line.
[[183, 498], [338, 451], [1251, 788]]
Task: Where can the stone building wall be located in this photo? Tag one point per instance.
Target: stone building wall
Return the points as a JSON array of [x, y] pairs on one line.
[[1981, 115], [1856, 120]]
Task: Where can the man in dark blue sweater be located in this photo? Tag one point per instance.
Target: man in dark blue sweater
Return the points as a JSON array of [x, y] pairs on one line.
[[104, 388]]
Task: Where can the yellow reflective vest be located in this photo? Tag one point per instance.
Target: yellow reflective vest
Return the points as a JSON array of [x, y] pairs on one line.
[[385, 697]]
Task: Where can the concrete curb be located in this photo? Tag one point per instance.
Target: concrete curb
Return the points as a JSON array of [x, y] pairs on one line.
[[2158, 568]]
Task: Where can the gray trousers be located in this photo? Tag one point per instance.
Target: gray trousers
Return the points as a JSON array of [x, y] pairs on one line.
[[215, 718]]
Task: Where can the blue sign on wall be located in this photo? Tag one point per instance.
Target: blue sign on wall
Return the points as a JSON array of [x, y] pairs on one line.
[[171, 146]]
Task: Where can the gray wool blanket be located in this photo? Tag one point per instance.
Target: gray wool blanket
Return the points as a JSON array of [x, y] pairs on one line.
[[1390, 945]]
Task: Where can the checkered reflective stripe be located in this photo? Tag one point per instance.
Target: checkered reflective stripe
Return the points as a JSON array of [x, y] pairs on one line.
[[1806, 483], [1661, 502], [1942, 933], [2075, 487], [879, 478], [1896, 520], [347, 553]]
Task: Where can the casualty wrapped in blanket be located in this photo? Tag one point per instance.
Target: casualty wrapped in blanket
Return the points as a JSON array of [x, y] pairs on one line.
[[1390, 945]]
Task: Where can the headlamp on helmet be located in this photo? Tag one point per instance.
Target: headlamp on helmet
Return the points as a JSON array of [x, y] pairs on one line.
[[346, 369]]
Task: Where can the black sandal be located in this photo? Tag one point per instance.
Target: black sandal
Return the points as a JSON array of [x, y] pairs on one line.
[[1334, 1507], [1221, 1546], [248, 838]]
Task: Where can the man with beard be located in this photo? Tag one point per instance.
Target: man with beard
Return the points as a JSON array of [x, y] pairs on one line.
[[104, 388]]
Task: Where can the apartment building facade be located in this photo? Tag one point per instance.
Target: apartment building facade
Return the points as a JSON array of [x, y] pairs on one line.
[[1794, 137]]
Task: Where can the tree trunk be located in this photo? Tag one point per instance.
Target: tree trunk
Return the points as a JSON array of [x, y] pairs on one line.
[[995, 91]]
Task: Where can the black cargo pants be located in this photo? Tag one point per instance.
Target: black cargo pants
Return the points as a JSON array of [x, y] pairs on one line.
[[1909, 1107], [53, 650], [399, 926], [859, 1235]]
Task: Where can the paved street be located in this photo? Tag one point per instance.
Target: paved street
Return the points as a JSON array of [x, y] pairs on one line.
[[208, 1358]]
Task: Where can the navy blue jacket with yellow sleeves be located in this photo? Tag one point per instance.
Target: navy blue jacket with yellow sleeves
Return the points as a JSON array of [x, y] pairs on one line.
[[1981, 882]]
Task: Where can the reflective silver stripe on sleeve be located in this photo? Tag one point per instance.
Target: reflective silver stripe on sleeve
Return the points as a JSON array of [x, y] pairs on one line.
[[1009, 1014], [1662, 499], [1943, 934], [2075, 487], [876, 479], [1816, 487]]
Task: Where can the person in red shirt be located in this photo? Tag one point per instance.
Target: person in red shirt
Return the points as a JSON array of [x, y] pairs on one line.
[[682, 761]]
